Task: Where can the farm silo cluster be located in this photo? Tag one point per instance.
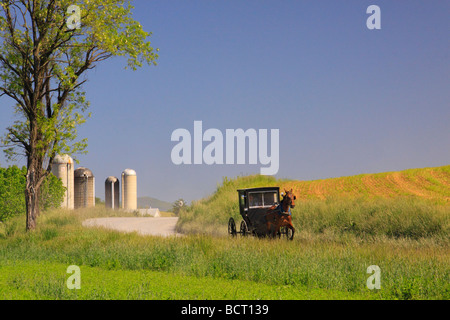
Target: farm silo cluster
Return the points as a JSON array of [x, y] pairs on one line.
[[80, 186]]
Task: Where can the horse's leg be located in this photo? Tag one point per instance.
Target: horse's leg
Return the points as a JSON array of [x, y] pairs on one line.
[[273, 229], [291, 226], [287, 223], [276, 230], [278, 224], [269, 223]]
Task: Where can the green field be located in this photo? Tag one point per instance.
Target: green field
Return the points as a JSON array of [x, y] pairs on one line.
[[412, 204], [406, 235], [44, 280]]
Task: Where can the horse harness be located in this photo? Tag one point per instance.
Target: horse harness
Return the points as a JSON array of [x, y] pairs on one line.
[[280, 211]]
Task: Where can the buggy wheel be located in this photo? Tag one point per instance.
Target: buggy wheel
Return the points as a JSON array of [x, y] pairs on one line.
[[232, 227], [289, 233], [243, 229]]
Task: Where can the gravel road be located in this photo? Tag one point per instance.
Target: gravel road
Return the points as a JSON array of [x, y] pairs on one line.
[[162, 226]]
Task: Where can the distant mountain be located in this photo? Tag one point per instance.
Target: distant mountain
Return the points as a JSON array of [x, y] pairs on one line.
[[146, 202]]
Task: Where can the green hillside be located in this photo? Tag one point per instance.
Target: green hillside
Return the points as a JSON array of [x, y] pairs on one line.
[[413, 203]]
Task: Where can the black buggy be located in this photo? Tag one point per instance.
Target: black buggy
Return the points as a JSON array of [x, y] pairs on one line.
[[254, 203]]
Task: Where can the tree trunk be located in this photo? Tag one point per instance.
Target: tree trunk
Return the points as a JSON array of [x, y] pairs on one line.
[[32, 196]]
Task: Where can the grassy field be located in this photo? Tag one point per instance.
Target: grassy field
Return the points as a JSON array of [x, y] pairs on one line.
[[406, 235], [129, 266], [412, 204], [44, 280]]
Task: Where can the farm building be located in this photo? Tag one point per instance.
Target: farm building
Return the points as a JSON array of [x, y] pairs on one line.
[[152, 212]]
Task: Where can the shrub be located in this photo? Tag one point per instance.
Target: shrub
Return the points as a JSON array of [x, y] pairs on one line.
[[12, 196]]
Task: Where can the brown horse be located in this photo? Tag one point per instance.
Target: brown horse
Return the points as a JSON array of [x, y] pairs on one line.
[[280, 216]]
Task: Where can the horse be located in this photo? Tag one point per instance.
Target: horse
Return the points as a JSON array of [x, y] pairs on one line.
[[280, 216]]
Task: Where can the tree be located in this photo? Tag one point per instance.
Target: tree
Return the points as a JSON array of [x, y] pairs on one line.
[[46, 50], [178, 205], [12, 184], [51, 193]]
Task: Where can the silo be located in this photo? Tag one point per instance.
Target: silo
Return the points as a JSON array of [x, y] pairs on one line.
[[63, 168], [112, 193], [129, 189], [84, 187]]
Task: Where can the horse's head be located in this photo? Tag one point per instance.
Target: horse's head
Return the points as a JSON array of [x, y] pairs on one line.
[[289, 197]]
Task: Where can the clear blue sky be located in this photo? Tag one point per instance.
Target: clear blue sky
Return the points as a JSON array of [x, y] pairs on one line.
[[347, 100]]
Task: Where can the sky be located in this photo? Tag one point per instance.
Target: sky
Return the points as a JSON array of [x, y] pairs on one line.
[[346, 100]]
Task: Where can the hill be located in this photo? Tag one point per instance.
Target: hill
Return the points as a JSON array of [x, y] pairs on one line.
[[426, 183], [146, 202], [411, 203]]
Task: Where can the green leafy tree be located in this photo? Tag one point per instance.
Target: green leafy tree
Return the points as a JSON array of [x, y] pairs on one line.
[[178, 205], [12, 184], [46, 49], [51, 193]]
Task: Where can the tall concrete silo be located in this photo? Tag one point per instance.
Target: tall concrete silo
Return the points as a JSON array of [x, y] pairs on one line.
[[84, 185], [63, 168], [112, 193], [129, 189]]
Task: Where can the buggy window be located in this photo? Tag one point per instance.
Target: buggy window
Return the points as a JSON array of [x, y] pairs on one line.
[[255, 200], [262, 199], [270, 198]]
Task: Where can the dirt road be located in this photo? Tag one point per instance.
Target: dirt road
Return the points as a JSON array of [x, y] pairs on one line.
[[162, 226]]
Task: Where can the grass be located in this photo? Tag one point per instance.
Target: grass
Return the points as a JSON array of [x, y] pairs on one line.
[[411, 204], [128, 266], [43, 280], [398, 221]]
